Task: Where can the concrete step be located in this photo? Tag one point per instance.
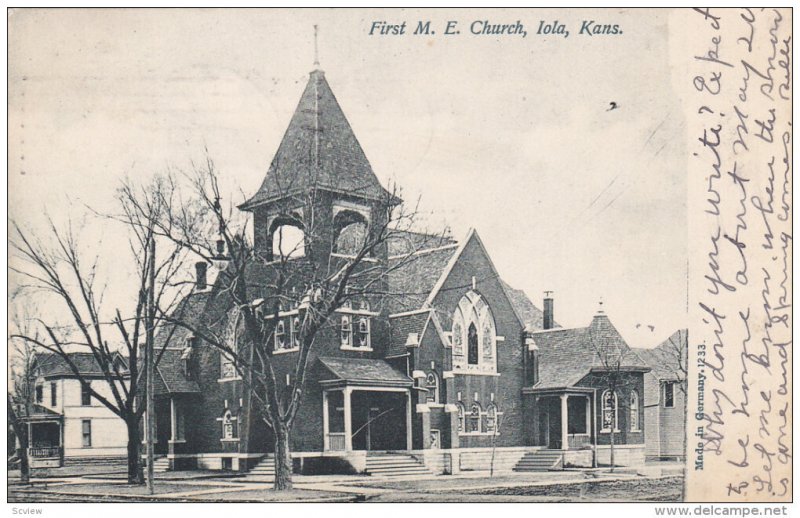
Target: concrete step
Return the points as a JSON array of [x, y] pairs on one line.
[[388, 465], [539, 461]]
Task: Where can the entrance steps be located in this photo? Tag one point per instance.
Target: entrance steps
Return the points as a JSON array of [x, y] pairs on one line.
[[110, 460], [395, 465], [542, 460], [160, 465], [265, 467]]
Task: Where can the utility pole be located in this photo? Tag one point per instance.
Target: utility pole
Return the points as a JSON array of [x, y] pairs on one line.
[[149, 360]]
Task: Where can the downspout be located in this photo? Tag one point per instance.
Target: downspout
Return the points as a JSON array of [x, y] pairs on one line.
[[594, 428]]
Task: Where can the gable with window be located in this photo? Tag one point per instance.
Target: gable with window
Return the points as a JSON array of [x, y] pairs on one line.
[[474, 336]]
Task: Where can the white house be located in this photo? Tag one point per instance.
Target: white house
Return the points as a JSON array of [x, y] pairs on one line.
[[66, 421]]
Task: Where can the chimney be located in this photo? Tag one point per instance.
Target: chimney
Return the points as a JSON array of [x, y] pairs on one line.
[[200, 275], [547, 320]]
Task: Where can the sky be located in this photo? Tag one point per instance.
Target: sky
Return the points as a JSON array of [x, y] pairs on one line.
[[512, 136]]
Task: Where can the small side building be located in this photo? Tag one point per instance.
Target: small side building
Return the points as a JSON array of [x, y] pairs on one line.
[[665, 398]]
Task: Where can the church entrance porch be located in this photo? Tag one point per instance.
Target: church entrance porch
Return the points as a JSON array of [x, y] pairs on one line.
[[367, 419], [564, 420]]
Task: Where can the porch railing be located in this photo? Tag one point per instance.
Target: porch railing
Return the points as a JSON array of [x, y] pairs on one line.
[[44, 451], [336, 441]]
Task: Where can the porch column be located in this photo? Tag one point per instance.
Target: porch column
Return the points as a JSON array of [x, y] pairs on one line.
[[348, 421], [173, 422], [564, 423], [589, 415], [409, 442], [326, 443]]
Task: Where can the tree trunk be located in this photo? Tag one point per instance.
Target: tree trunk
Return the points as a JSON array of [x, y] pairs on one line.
[[283, 459], [24, 467], [135, 474]]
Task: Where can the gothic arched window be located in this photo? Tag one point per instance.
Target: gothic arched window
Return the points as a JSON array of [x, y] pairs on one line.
[[491, 419], [634, 410], [610, 417], [280, 336], [474, 419], [363, 332], [474, 335], [432, 384], [461, 417], [229, 426], [295, 332]]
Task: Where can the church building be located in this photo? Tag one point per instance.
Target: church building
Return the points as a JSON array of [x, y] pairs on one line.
[[452, 364]]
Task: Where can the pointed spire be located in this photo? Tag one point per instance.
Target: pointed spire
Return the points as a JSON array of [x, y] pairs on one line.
[[316, 49]]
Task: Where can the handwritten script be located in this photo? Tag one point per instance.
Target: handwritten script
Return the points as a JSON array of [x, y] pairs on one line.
[[740, 165]]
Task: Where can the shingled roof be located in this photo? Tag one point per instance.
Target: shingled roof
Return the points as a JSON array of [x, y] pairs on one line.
[[318, 150], [665, 358], [404, 325], [566, 356], [52, 365], [364, 371], [531, 316], [412, 278]]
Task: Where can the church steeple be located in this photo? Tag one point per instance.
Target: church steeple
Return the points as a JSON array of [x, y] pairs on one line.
[[319, 151]]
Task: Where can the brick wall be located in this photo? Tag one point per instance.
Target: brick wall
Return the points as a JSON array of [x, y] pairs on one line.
[[506, 387]]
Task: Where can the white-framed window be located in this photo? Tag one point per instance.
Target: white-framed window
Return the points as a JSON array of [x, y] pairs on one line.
[[355, 326], [229, 426], [474, 419], [86, 433], [634, 410], [346, 328], [609, 411], [432, 384], [474, 336], [669, 394], [491, 420], [462, 426], [295, 332], [363, 332], [280, 336]]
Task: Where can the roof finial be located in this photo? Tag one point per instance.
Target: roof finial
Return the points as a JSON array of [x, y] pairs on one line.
[[600, 308], [316, 49]]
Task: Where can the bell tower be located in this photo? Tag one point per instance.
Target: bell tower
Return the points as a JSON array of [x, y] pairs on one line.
[[320, 195]]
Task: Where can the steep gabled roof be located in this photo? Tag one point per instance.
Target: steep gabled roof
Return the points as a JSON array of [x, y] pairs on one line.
[[412, 278], [566, 356], [318, 150], [665, 358]]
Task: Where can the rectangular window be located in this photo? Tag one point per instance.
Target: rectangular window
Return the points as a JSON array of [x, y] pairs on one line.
[[669, 394], [86, 395], [86, 432], [39, 394], [53, 394]]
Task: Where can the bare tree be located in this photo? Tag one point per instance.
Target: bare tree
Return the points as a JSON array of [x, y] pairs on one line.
[[260, 284], [53, 265], [613, 376], [22, 356]]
